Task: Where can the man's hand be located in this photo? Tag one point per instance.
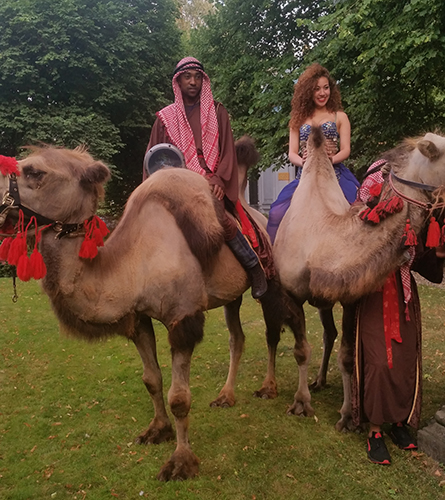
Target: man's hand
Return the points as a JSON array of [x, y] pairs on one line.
[[218, 191], [440, 252]]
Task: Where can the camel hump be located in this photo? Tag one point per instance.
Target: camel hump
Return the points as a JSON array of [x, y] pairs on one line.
[[187, 196], [246, 152], [316, 137]]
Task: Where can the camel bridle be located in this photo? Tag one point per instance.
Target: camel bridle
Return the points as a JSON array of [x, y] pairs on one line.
[[428, 206], [11, 200]]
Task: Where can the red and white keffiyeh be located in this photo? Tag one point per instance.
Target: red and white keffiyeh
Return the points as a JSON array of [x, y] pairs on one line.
[[175, 121]]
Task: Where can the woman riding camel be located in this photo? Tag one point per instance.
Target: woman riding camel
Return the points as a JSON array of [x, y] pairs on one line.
[[316, 102]]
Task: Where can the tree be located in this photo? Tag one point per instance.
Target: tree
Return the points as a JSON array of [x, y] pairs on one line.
[[390, 60], [85, 71], [251, 50]]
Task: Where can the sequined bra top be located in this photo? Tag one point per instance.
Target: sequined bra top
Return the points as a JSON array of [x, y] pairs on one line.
[[329, 130]]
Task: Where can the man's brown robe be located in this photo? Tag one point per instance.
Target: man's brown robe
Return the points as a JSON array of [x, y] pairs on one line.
[[382, 394]]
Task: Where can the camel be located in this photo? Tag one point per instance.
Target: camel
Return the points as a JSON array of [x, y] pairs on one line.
[[325, 253], [166, 260], [248, 156]]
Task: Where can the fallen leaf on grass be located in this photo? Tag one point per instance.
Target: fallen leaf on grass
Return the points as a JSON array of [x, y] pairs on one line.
[[33, 449], [244, 415], [437, 473]]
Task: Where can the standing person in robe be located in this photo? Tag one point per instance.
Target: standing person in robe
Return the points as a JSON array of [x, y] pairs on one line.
[[387, 378], [200, 128], [316, 102]]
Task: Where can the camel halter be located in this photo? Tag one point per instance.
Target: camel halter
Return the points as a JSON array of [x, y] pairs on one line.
[[14, 249], [417, 185], [11, 200]]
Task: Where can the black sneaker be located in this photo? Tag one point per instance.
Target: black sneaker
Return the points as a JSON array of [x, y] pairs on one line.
[[377, 451], [401, 437]]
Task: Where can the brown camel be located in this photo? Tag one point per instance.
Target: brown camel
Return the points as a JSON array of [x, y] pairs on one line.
[[166, 260], [325, 253]]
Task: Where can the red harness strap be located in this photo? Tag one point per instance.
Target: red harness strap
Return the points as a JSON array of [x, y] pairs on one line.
[[246, 226]]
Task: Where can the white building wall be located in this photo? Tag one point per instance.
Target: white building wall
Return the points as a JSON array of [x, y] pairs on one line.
[[270, 183]]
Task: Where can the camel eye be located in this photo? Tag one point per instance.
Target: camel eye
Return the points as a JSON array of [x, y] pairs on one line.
[[32, 174]]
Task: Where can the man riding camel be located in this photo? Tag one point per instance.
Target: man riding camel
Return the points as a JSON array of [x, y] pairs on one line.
[[200, 128]]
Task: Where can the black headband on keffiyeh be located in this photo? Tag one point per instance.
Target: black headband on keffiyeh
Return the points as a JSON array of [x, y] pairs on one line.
[[188, 65], [175, 121]]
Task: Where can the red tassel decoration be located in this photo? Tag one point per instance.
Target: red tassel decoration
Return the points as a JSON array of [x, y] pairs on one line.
[[395, 205], [24, 271], [364, 214], [96, 229], [38, 268], [4, 249], [373, 215], [409, 236], [88, 250], [17, 249], [433, 236], [8, 165], [375, 189]]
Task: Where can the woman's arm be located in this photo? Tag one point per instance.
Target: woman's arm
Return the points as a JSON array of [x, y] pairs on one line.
[[344, 131], [294, 146]]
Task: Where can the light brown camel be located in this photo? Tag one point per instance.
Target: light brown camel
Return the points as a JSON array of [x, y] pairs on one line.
[[248, 156], [325, 253], [165, 260]]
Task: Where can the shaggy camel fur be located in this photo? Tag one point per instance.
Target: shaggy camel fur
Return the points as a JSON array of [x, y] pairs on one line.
[[166, 260], [325, 253]]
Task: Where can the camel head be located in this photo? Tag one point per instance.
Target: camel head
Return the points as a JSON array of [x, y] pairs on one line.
[[61, 184], [426, 163]]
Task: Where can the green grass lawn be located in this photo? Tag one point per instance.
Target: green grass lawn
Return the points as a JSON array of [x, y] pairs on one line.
[[69, 412]]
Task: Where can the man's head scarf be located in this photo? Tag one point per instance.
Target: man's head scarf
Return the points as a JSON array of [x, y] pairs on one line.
[[175, 121]]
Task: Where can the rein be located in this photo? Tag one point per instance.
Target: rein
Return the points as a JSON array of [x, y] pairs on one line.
[[417, 185]]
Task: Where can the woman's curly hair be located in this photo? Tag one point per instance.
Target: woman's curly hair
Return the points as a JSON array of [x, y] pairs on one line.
[[303, 105]]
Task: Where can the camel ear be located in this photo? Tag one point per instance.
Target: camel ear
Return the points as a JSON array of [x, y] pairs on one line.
[[96, 173], [429, 149]]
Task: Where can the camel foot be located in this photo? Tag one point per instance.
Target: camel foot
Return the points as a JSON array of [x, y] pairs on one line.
[[223, 401], [301, 409], [156, 434], [180, 466], [267, 392], [318, 385], [345, 424]]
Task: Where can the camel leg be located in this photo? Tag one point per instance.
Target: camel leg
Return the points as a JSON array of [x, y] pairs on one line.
[[273, 312], [302, 353], [160, 428], [183, 336], [226, 397], [329, 335], [346, 365]]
